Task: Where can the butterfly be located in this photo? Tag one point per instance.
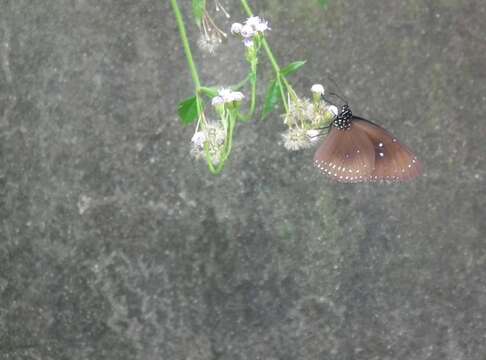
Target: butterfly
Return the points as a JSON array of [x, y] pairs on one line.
[[358, 150]]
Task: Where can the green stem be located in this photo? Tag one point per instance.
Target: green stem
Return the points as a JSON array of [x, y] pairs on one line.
[[253, 81], [247, 7], [241, 83], [232, 116], [185, 43], [272, 59], [282, 94], [229, 144]]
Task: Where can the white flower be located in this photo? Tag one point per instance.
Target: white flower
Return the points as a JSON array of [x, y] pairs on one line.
[[236, 28], [300, 110], [226, 95], [212, 136], [333, 110], [253, 21], [253, 26], [262, 26], [313, 135], [237, 96], [197, 148], [247, 31], [257, 23], [198, 138], [248, 42], [318, 89], [296, 139], [217, 100], [215, 133]]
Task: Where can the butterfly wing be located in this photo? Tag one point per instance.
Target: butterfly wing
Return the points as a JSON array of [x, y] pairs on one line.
[[394, 161], [346, 155]]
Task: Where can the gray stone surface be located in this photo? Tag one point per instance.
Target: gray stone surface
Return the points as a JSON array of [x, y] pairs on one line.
[[115, 244]]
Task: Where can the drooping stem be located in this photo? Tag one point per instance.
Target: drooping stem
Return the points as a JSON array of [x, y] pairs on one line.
[[228, 142]]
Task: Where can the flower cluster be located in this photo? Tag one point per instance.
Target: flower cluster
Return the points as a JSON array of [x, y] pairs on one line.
[[252, 27], [211, 137], [226, 96], [306, 119]]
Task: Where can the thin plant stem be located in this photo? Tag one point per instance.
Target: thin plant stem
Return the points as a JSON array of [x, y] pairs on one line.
[[253, 81], [185, 44], [188, 53]]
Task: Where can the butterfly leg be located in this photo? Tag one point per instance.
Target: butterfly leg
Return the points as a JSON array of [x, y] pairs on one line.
[[322, 129]]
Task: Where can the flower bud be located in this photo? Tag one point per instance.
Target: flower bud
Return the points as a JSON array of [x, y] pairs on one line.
[[248, 42], [333, 110], [318, 89]]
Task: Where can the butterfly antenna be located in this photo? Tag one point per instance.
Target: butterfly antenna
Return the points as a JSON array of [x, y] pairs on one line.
[[339, 97], [331, 79], [335, 83], [327, 100]]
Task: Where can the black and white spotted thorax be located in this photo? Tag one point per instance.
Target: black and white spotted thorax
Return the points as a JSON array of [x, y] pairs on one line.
[[343, 118]]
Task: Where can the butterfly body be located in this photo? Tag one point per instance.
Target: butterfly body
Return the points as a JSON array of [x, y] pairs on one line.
[[357, 150], [344, 119]]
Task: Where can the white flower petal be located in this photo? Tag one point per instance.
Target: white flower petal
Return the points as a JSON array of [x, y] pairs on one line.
[[247, 31], [262, 26], [253, 21], [198, 138], [236, 28], [237, 96], [318, 89], [313, 135], [225, 93], [333, 110], [296, 139], [217, 100]]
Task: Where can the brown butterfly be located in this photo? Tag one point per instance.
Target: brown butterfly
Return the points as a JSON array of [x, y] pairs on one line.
[[357, 150]]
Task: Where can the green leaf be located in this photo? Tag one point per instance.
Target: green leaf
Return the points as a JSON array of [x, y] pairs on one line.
[[271, 99], [292, 67], [198, 7], [323, 3], [187, 110], [210, 92]]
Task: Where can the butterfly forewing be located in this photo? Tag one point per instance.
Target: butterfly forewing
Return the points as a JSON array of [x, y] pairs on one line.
[[346, 155], [394, 161]]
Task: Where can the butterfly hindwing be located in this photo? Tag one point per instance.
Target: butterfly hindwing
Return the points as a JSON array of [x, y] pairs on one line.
[[394, 161], [346, 155]]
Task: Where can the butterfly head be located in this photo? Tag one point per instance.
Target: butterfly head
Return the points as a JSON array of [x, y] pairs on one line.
[[343, 118]]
